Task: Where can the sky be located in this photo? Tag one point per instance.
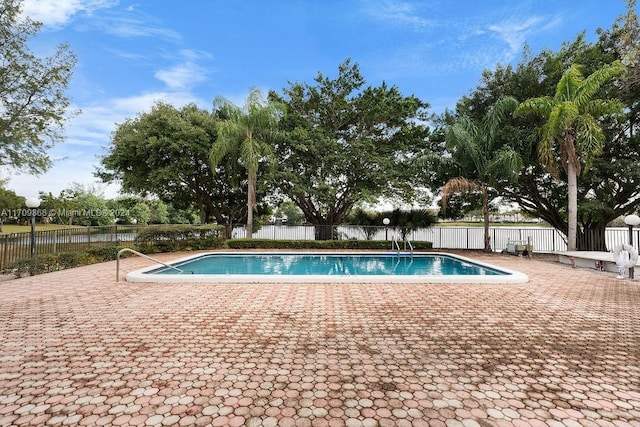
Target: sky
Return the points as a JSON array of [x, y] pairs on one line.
[[134, 53]]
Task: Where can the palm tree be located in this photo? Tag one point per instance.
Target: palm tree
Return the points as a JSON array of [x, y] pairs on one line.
[[476, 144], [245, 134], [571, 131]]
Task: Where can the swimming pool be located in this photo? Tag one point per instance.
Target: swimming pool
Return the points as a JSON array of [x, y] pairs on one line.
[[327, 267]]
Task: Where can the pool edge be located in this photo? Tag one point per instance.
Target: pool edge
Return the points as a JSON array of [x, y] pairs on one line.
[[512, 277]]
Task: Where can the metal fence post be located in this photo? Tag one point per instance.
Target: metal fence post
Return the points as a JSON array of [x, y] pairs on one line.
[[5, 251]]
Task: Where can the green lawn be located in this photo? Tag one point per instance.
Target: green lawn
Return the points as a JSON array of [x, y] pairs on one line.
[[15, 228]]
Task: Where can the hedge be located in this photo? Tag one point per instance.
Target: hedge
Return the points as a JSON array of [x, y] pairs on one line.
[[46, 263], [318, 244]]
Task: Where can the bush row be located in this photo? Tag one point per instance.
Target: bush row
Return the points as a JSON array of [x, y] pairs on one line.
[[46, 263], [318, 244]]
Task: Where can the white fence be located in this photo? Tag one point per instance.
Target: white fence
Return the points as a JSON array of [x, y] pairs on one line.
[[544, 239]]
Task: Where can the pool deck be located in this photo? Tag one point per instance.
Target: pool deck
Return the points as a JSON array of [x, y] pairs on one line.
[[79, 348]]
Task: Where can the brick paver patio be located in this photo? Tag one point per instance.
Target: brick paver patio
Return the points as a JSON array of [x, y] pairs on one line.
[[77, 348]]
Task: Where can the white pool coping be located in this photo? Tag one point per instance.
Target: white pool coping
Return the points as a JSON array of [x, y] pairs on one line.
[[142, 275]]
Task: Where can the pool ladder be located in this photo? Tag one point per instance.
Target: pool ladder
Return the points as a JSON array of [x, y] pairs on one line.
[[142, 255], [396, 246]]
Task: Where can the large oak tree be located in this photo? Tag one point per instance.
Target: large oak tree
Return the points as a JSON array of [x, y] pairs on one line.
[[347, 143], [165, 152]]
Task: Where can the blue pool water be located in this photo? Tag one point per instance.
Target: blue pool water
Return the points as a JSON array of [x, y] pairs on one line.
[[330, 265]]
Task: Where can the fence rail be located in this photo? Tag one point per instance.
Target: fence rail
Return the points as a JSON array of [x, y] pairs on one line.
[[544, 239], [15, 246]]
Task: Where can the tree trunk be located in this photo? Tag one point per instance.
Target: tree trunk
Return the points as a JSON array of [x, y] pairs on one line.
[[572, 214], [592, 239], [324, 231], [485, 214], [202, 213], [251, 203]]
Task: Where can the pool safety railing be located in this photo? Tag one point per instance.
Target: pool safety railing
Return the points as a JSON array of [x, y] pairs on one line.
[[142, 255], [396, 246]]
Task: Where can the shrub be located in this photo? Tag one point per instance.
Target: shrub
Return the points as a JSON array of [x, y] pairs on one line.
[[318, 244], [46, 263], [104, 253], [38, 264], [72, 259]]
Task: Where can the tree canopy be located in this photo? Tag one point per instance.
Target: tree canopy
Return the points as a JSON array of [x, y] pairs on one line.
[[344, 143], [33, 107], [347, 143], [608, 188], [165, 152]]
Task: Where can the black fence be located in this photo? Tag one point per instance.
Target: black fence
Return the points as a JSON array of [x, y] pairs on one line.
[[14, 246]]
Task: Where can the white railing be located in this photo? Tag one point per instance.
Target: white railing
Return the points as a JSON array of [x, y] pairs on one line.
[[544, 239]]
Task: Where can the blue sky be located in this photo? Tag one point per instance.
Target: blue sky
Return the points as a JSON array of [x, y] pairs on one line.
[[134, 53]]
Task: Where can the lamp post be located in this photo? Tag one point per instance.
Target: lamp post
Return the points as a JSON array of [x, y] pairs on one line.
[[386, 222], [631, 221], [32, 204]]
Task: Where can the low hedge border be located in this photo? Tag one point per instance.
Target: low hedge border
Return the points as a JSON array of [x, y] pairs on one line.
[[319, 244], [47, 263]]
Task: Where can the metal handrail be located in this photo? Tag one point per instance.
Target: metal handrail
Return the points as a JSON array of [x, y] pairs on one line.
[[142, 255], [408, 242], [394, 243]]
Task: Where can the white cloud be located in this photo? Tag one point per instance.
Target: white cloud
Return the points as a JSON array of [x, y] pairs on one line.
[[56, 13], [515, 33], [185, 74], [181, 76], [131, 26], [400, 13]]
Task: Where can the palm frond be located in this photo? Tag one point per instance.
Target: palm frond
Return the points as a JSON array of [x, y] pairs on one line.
[[546, 154], [505, 163], [457, 185], [603, 107], [563, 117], [569, 83], [539, 106], [497, 113], [589, 138], [228, 134], [589, 86], [463, 137], [433, 160]]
